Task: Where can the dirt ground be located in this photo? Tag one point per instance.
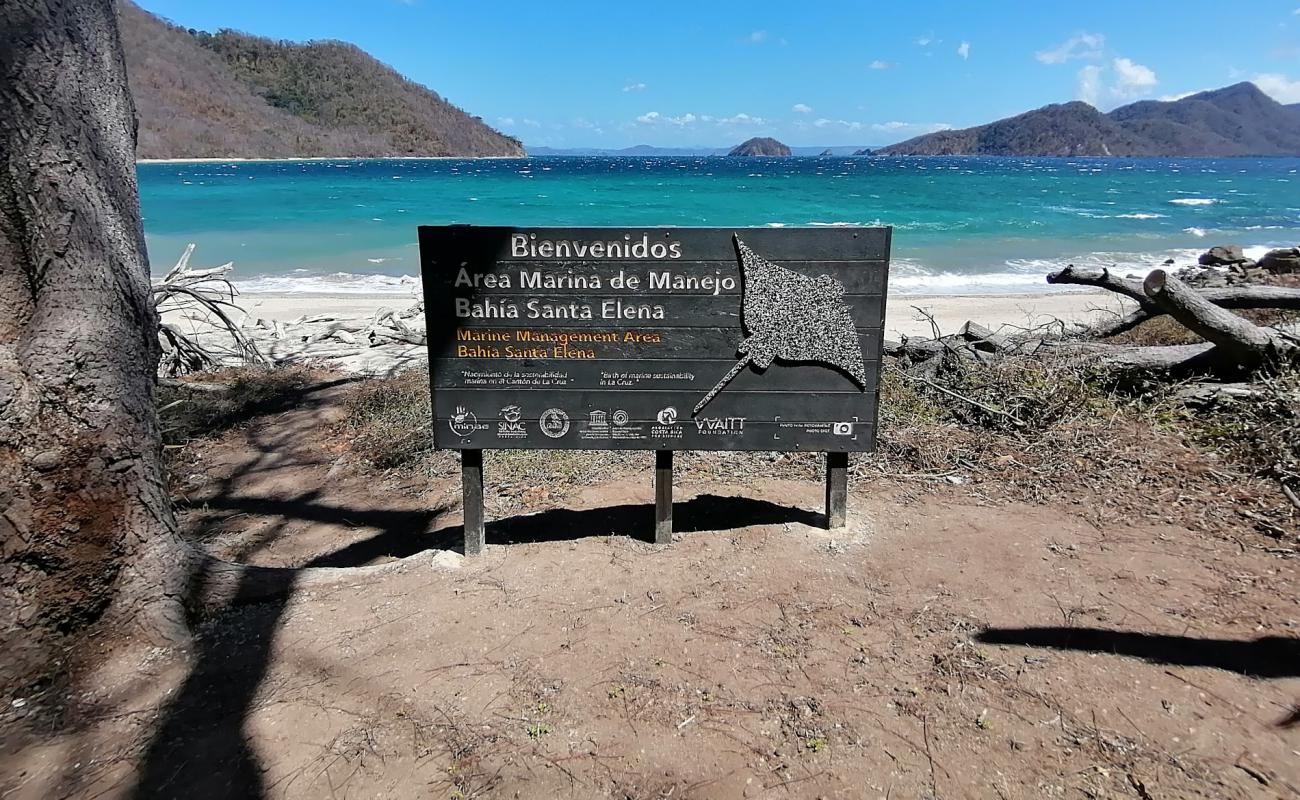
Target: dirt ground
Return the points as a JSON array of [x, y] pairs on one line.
[[942, 646]]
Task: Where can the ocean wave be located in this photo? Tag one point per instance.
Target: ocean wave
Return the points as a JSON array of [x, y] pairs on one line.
[[332, 283], [1140, 215], [1194, 201], [1200, 232]]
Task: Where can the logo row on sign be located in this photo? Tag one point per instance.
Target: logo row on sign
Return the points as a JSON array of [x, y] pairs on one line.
[[555, 423]]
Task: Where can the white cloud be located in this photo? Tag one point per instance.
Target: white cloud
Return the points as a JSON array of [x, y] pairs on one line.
[[655, 118], [1279, 87], [1170, 98], [634, 87], [742, 119], [757, 37], [505, 120], [1090, 85], [927, 40], [963, 50], [1081, 45], [1122, 80], [801, 108], [909, 129], [689, 119], [1132, 79], [878, 64], [838, 123], [532, 123]]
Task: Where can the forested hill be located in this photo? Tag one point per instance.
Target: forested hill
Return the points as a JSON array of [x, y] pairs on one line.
[[1238, 120], [228, 94]]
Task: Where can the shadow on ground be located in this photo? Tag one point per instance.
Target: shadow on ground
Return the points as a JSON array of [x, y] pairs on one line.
[[405, 533], [200, 750], [1265, 657]]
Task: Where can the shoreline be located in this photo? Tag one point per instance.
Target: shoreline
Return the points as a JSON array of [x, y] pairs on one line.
[[950, 311], [291, 159]]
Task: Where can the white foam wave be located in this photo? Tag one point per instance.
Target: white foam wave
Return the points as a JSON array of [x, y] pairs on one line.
[[333, 283], [1194, 201], [1140, 215], [1195, 231]]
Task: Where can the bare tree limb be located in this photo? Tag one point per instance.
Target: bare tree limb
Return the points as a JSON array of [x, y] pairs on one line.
[[1102, 279], [1236, 338], [1237, 297]]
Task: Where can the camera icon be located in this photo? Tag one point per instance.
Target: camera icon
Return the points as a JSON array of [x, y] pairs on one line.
[[842, 428]]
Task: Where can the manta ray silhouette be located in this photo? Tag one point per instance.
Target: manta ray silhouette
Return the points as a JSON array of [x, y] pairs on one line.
[[794, 318]]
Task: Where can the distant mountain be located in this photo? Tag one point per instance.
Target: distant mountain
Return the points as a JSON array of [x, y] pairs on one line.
[[1238, 120], [228, 94], [646, 150], [760, 146]]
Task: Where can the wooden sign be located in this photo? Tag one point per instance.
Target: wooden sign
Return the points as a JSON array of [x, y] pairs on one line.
[[654, 339], [605, 338]]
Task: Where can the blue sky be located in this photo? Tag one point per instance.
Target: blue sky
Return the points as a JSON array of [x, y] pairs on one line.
[[611, 74]]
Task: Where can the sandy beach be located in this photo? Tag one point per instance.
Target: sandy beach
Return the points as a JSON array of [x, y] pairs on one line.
[[902, 317], [382, 334]]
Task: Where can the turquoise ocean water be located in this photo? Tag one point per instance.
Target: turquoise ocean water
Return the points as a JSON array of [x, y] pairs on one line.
[[961, 224]]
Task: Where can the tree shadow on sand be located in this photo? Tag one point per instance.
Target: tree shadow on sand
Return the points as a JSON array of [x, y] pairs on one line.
[[200, 750]]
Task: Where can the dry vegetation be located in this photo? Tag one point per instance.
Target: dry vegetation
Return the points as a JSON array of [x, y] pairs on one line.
[[1058, 430]]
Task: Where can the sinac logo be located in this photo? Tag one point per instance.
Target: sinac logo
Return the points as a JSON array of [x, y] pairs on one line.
[[667, 416], [511, 414]]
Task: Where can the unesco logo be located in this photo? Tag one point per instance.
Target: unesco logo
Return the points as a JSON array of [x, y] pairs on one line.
[[554, 422]]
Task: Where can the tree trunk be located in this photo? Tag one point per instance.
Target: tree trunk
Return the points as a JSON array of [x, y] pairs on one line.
[[1237, 341], [1238, 297], [86, 525]]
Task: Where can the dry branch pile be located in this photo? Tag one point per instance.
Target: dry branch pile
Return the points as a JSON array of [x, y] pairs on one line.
[[204, 328], [1214, 424]]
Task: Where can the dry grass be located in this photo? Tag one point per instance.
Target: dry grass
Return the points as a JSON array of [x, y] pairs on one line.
[[206, 404], [1068, 435], [1039, 429]]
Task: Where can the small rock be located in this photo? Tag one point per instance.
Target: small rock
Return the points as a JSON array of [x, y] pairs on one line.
[[44, 462], [1222, 256], [1283, 261]]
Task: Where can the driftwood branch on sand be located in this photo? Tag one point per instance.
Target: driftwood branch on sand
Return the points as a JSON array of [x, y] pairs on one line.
[[1236, 297], [1234, 347]]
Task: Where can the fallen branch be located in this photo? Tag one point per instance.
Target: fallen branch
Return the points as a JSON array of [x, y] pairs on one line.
[[1248, 345], [1238, 297]]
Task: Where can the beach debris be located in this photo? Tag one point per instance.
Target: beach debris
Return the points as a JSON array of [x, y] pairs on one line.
[[197, 329]]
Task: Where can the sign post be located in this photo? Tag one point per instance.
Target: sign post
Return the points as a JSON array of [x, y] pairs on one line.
[[657, 339]]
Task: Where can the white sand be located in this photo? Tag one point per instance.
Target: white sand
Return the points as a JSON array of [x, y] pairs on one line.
[[902, 319], [338, 331]]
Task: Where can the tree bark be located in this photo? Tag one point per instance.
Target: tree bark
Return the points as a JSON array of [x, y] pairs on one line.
[[86, 526], [1246, 345], [1237, 297]]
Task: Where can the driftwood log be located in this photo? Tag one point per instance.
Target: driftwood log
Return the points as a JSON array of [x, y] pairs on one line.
[[1237, 297], [1233, 347]]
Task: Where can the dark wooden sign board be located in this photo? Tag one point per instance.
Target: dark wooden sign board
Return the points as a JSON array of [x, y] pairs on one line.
[[609, 338]]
